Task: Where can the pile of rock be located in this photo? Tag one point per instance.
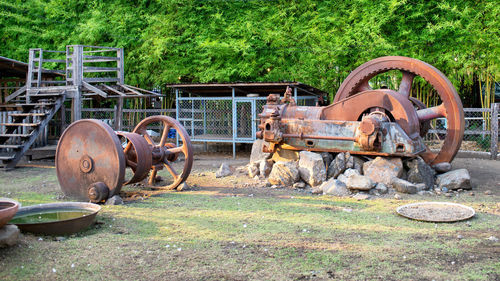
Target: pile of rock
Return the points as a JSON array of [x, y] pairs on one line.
[[342, 174]]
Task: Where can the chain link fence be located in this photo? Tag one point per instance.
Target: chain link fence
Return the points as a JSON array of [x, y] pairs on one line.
[[480, 134], [221, 120]]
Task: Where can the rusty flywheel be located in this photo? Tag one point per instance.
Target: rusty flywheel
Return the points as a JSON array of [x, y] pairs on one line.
[[91, 158], [450, 108]]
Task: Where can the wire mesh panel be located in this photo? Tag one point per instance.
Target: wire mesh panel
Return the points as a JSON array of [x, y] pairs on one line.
[[245, 127], [477, 131], [132, 117], [206, 119]]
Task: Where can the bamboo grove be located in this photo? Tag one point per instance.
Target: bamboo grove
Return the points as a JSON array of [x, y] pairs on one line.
[[314, 42]]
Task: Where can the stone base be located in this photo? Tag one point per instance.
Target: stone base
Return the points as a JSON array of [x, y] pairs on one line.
[[9, 234]]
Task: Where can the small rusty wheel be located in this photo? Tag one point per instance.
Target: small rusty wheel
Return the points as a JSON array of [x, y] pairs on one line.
[[165, 153], [450, 108], [137, 153], [89, 152]]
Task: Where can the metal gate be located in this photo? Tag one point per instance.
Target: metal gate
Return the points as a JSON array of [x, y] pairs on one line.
[[245, 128]]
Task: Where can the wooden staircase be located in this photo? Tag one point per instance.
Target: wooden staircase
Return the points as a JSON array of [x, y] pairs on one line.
[[23, 125]]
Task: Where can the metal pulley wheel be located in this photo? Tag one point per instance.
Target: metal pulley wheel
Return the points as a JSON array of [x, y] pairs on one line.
[[90, 161], [165, 153], [450, 107]]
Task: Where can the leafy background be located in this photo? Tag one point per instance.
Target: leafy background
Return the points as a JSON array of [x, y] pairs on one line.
[[314, 42]]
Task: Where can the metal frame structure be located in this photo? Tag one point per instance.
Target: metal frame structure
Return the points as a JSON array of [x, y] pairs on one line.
[[196, 118]]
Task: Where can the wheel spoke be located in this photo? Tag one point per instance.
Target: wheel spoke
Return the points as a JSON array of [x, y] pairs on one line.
[[131, 164], [405, 85], [171, 169], [127, 148], [152, 177], [148, 139], [176, 149], [164, 135], [431, 113]]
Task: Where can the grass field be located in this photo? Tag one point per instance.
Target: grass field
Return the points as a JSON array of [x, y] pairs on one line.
[[222, 232]]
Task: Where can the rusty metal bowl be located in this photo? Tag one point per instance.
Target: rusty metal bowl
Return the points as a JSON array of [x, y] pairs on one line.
[[8, 209], [62, 226]]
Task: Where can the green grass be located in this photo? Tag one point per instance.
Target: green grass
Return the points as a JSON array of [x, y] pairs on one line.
[[270, 236]]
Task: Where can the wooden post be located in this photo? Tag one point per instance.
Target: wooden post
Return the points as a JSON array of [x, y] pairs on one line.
[[63, 118], [119, 114], [76, 103], [494, 130]]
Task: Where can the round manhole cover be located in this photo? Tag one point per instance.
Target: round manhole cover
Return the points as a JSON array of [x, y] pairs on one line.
[[436, 211]]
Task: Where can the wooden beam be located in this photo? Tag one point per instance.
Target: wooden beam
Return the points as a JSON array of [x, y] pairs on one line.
[[147, 91], [16, 93], [130, 89], [94, 89], [113, 90]]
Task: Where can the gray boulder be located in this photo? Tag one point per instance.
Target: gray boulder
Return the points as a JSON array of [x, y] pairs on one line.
[[359, 182], [265, 167], [284, 173], [350, 172], [383, 169], [349, 161], [361, 196], [223, 171], [358, 164], [453, 180], [253, 169], [404, 186], [312, 168], [299, 185], [341, 178], [381, 188], [335, 187], [9, 234], [442, 167], [115, 200], [420, 172], [337, 166], [327, 158], [257, 153]]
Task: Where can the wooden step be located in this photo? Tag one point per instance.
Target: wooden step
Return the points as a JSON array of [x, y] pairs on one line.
[[27, 114], [15, 135], [20, 124], [14, 146], [7, 157]]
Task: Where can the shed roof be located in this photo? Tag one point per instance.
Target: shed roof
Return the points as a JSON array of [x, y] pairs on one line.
[[14, 68], [245, 88]]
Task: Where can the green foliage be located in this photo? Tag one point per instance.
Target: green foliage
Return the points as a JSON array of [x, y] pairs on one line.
[[315, 42]]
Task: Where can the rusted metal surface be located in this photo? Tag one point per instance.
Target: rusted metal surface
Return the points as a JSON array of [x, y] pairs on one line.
[[59, 227], [8, 209], [165, 153], [450, 108], [91, 159], [366, 121], [89, 151]]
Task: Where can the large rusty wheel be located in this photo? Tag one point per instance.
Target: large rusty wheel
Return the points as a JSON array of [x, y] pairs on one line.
[[450, 108], [165, 153], [137, 156], [90, 160]]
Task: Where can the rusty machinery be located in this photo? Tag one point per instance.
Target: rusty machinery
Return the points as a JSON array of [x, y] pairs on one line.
[[362, 120], [92, 159]]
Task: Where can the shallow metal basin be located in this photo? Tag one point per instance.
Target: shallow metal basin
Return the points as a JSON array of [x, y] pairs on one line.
[[59, 227]]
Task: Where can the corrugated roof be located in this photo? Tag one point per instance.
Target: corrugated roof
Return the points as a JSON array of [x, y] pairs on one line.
[[245, 88]]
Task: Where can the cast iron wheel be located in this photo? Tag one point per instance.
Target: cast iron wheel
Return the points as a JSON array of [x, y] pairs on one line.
[[88, 152], [167, 152], [450, 108]]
